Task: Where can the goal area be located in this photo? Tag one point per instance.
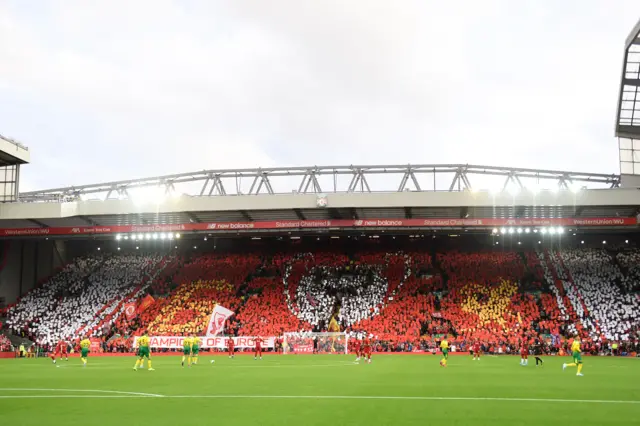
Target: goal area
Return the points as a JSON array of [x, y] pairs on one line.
[[319, 343]]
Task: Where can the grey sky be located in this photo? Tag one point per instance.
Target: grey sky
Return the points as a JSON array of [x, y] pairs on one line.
[[105, 90]]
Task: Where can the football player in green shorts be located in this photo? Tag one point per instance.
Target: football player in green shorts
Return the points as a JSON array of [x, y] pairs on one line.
[[444, 346], [577, 356], [144, 351], [195, 348], [85, 344], [186, 351]]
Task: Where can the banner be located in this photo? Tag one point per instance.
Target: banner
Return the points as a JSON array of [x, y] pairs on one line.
[[96, 345], [302, 348], [219, 342], [130, 311], [218, 318], [147, 301], [318, 224]]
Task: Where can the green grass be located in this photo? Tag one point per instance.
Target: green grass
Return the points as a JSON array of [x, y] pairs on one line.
[[279, 390]]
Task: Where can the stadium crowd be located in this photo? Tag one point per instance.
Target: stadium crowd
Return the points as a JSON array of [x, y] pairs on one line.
[[600, 283], [73, 302], [404, 300], [5, 344]]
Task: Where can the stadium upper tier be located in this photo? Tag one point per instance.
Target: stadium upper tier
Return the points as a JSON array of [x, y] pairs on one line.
[[405, 298]]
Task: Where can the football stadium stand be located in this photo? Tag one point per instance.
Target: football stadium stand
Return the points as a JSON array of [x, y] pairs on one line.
[[405, 299]]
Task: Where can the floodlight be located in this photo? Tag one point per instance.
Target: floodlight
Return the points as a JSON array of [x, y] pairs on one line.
[[511, 230], [527, 230], [519, 230], [503, 230], [148, 195]]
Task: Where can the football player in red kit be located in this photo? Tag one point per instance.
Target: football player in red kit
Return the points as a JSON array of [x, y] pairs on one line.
[[231, 347], [60, 351], [476, 351], [524, 354], [366, 350], [258, 352], [357, 347]]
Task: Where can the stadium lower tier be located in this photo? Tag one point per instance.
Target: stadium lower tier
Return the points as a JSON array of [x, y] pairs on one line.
[[403, 300]]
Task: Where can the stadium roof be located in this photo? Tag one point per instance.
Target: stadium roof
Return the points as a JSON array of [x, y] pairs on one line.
[[12, 152], [332, 197], [628, 115], [330, 179]]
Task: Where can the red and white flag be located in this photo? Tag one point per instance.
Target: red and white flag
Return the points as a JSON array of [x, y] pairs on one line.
[[218, 318], [130, 311]]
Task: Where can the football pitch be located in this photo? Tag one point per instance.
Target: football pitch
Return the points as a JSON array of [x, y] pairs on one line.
[[319, 390]]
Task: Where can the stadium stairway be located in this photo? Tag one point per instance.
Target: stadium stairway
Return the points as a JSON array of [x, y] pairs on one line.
[[563, 300], [16, 341], [574, 288]]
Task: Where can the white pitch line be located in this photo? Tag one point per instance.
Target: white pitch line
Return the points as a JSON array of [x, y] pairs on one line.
[[130, 394], [325, 397], [216, 365], [75, 396], [282, 365], [408, 398]]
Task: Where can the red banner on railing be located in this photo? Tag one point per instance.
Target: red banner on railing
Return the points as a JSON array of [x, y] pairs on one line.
[[96, 345], [319, 224]]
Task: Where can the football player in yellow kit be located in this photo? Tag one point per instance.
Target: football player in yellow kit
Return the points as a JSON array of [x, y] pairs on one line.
[[577, 356]]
